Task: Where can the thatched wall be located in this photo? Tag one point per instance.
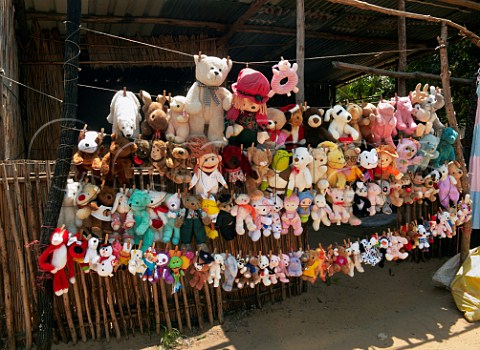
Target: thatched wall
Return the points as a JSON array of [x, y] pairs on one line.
[[11, 132]]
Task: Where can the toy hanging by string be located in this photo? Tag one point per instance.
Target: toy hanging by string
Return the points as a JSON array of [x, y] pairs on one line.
[[281, 71]]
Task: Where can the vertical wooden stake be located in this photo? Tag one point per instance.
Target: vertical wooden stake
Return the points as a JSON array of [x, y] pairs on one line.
[[86, 297], [300, 96], [68, 315], [452, 121], [9, 317], [78, 305], [402, 47], [112, 308]]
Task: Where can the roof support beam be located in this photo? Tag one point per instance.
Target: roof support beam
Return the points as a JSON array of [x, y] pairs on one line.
[[389, 73], [254, 7], [474, 5], [475, 39]]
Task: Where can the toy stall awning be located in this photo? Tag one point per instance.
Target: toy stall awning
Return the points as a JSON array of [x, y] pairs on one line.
[[250, 31]]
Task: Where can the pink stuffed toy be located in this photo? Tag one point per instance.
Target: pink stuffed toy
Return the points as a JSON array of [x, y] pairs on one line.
[[383, 127], [263, 220], [374, 195], [340, 213], [244, 214], [405, 122], [281, 270], [407, 150], [447, 189], [291, 217], [281, 71]]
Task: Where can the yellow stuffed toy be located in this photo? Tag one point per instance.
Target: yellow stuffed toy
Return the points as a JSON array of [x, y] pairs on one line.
[[335, 163]]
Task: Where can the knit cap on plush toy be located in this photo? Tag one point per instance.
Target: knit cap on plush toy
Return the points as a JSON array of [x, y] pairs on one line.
[[254, 86]]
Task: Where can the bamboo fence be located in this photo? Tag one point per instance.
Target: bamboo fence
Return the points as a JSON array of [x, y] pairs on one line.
[[102, 308]]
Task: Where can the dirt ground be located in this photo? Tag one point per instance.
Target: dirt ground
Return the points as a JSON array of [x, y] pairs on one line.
[[395, 307]]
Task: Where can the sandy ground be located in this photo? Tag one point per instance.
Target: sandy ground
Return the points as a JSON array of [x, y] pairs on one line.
[[396, 307]]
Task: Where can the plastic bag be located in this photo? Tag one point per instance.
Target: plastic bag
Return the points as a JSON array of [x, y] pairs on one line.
[[444, 276], [466, 287]]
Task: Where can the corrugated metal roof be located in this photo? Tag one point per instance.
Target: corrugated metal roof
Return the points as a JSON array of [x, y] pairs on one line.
[[269, 32]]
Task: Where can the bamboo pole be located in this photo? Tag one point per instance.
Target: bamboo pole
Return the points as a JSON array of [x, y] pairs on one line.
[[208, 301], [38, 193], [23, 226], [156, 307], [112, 309], [69, 317], [166, 313], [475, 39], [59, 321], [104, 309], [186, 306], [21, 263], [78, 304], [218, 292], [98, 317], [177, 312], [123, 282], [137, 299], [9, 310], [402, 48], [32, 224], [300, 95], [86, 297], [452, 121], [62, 165], [198, 306], [119, 298], [147, 306]]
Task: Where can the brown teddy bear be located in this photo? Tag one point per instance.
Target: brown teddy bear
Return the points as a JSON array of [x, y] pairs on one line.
[[158, 156], [357, 113], [455, 170], [314, 129], [200, 270], [194, 221], [156, 121], [276, 128], [141, 158], [87, 158], [369, 112], [85, 201], [260, 159], [102, 217], [311, 271], [295, 127], [117, 163], [180, 164]]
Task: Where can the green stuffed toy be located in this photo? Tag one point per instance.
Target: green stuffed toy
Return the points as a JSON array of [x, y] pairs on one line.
[[138, 201], [445, 147]]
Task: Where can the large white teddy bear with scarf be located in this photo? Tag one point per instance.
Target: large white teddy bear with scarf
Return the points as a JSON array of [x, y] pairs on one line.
[[206, 101]]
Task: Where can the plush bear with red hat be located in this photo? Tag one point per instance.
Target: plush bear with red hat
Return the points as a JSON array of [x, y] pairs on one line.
[[248, 116]]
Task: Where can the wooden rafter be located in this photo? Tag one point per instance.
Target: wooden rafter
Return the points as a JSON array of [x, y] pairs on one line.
[[404, 75], [367, 6], [254, 7], [474, 5]]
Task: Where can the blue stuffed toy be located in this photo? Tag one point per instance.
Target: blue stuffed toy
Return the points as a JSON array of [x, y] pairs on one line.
[[445, 147], [138, 201]]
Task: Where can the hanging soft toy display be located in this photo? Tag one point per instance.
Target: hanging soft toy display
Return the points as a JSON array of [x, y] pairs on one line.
[[248, 116], [321, 212], [86, 204], [180, 163], [105, 262], [87, 158], [447, 189], [259, 159], [263, 220], [352, 171], [335, 163], [216, 268], [55, 259], [207, 173], [117, 163], [284, 70], [157, 212], [318, 168], [386, 164], [122, 215]]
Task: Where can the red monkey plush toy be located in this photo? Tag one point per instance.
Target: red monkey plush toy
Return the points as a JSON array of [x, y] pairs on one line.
[[54, 260]]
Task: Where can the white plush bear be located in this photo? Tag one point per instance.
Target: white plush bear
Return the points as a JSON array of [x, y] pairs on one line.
[[136, 264], [339, 126], [206, 100], [263, 220], [275, 216], [321, 212], [243, 213], [216, 268], [69, 209], [178, 128], [300, 176], [318, 168], [157, 213], [125, 114]]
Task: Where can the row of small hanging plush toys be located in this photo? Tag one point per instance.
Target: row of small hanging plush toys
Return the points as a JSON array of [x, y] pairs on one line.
[[107, 257]]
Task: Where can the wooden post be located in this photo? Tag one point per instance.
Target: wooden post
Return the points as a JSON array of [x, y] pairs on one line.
[[62, 166], [402, 47], [300, 96], [452, 121], [7, 286]]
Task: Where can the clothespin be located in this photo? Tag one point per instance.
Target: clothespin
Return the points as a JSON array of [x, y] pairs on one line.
[[124, 91], [280, 253], [228, 58], [199, 56], [270, 254], [128, 243], [85, 128], [106, 239], [61, 228], [140, 245]]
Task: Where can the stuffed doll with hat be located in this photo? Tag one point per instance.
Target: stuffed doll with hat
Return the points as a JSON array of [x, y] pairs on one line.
[[55, 259], [207, 100], [248, 116], [207, 174], [386, 164], [150, 261], [305, 206], [200, 269]]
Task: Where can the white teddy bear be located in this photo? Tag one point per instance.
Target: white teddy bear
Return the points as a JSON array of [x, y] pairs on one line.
[[339, 126], [125, 114], [206, 101], [300, 176], [321, 212], [69, 209], [178, 127]]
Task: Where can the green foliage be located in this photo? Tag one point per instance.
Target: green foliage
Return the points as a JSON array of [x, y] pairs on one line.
[[169, 339], [367, 88]]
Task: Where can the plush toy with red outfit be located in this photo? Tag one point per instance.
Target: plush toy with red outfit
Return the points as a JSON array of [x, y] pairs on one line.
[[248, 116], [55, 259], [386, 163]]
